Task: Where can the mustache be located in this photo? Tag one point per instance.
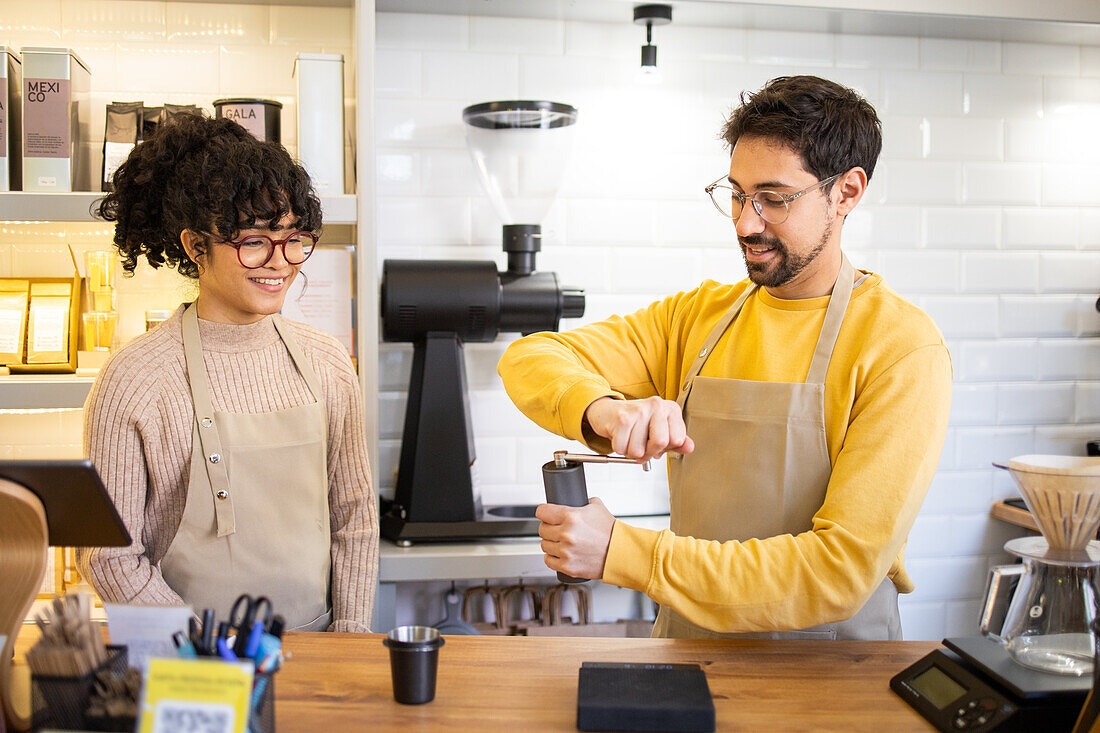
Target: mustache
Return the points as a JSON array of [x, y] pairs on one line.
[[758, 240]]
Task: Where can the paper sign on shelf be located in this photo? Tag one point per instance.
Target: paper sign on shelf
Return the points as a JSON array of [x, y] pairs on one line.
[[322, 294], [186, 695], [146, 631]]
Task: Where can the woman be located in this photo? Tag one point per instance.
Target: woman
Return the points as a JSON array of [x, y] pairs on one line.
[[230, 439]]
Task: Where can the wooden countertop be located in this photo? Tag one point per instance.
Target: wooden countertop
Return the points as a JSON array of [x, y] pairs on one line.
[[337, 682]]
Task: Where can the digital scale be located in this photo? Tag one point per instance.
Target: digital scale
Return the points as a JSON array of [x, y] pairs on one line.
[[975, 686]]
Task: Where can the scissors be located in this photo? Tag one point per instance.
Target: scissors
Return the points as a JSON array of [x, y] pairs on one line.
[[243, 616]]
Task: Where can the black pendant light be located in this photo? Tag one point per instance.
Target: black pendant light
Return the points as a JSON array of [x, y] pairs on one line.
[[649, 16]]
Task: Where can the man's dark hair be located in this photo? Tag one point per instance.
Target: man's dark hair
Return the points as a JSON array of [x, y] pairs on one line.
[[207, 175], [831, 127]]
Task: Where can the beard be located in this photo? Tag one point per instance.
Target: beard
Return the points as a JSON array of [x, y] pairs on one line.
[[785, 267]]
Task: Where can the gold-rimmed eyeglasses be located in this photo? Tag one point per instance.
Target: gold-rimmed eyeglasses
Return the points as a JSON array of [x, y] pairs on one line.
[[256, 250], [771, 206]]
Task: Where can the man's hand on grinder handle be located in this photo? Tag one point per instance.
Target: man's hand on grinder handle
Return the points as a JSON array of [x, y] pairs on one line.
[[641, 429], [575, 539]]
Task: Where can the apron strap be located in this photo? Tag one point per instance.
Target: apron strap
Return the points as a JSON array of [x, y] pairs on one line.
[[207, 427], [711, 340], [298, 357], [830, 329], [207, 430]]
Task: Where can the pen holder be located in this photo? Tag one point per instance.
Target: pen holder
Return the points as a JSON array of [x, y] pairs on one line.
[[261, 716], [60, 702]]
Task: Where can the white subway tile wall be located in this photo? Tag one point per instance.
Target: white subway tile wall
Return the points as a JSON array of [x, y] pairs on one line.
[[985, 211]]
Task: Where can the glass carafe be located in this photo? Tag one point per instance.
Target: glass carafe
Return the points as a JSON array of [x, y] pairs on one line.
[[1048, 624]]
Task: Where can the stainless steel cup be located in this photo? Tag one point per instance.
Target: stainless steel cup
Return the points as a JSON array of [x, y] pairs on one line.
[[414, 659]]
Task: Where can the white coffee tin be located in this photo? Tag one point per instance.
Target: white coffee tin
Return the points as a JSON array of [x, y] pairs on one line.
[[320, 79]]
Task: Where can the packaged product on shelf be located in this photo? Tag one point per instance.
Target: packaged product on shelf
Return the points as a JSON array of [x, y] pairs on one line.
[[99, 330], [150, 118], [55, 103], [13, 320], [11, 89], [121, 133], [156, 316], [171, 110], [48, 324], [261, 117], [321, 118]]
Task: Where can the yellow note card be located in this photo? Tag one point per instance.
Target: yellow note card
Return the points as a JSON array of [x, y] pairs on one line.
[[196, 695]]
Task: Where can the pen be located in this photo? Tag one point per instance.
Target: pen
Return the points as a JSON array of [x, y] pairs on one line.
[[252, 645], [208, 631], [224, 651], [278, 624], [183, 644], [194, 635]]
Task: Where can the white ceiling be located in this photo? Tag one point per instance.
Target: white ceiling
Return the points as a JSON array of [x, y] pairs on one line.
[[1052, 21]]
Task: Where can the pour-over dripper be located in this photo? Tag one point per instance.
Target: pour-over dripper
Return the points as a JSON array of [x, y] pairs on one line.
[[1063, 495]]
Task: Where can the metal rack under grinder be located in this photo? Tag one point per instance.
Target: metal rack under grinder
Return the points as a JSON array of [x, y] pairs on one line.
[[563, 480]]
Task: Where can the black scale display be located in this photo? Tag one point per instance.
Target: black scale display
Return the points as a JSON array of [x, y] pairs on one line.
[[973, 685]]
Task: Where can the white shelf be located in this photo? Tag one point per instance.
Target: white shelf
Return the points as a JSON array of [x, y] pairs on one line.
[[26, 206], [43, 391]]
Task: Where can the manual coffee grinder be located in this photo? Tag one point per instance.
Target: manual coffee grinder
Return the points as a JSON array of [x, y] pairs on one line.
[[563, 480], [1034, 661]]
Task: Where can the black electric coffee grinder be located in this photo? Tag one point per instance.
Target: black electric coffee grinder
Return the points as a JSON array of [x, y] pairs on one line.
[[563, 479], [519, 149]]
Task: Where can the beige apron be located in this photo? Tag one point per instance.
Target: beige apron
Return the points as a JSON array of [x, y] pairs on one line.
[[256, 519], [760, 468]]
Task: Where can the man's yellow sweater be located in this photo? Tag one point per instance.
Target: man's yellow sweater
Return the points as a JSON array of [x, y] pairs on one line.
[[887, 397]]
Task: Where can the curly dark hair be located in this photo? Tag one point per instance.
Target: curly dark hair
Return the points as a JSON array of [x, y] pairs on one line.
[[830, 126], [210, 176]]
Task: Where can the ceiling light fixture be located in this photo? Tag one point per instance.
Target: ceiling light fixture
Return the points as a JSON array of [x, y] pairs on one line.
[[649, 16]]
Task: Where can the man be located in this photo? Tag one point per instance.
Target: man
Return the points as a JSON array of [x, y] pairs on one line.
[[803, 410]]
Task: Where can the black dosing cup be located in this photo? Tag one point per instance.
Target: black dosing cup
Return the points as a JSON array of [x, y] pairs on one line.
[[414, 659]]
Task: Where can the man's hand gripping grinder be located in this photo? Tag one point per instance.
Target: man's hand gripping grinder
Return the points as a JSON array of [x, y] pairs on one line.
[[563, 479]]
